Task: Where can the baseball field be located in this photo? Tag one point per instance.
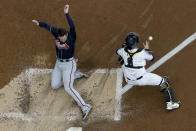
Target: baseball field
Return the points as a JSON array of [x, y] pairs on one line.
[[27, 58]]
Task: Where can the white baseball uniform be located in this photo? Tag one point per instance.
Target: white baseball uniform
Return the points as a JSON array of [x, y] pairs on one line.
[[136, 73]]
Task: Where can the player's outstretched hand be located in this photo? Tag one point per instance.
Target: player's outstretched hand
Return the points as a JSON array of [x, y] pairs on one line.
[[146, 45], [36, 22], [66, 9]]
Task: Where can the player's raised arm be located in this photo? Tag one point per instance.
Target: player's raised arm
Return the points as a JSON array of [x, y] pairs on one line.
[[35, 22], [149, 55], [70, 21], [50, 28], [146, 45]]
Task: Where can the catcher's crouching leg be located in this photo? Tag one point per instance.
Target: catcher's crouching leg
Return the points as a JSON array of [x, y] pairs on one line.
[[168, 94], [166, 90]]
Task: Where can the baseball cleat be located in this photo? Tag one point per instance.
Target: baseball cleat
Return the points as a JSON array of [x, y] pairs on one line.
[[86, 111], [85, 75], [172, 105]]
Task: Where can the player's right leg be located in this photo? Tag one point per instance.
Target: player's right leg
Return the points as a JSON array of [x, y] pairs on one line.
[[154, 80], [168, 93], [56, 80]]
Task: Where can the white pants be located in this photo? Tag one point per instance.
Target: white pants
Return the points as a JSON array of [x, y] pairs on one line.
[[64, 73], [147, 78]]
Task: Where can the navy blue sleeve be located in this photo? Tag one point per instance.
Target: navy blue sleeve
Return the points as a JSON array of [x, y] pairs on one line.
[[50, 28], [71, 25], [152, 58], [117, 52], [140, 49], [148, 50]]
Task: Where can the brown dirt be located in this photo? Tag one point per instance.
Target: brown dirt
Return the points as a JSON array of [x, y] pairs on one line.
[[29, 103], [101, 28]]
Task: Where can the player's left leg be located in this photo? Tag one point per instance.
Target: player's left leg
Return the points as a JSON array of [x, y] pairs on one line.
[[149, 79], [78, 75], [156, 80]]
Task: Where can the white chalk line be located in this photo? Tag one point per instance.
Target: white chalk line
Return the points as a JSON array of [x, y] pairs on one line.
[[147, 8], [172, 53], [103, 71], [28, 118], [165, 58], [15, 115], [117, 115]]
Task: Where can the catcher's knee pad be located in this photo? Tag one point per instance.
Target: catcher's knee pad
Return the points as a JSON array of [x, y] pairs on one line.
[[164, 82], [166, 89]]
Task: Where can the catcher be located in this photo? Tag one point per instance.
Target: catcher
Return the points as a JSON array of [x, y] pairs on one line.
[[133, 61]]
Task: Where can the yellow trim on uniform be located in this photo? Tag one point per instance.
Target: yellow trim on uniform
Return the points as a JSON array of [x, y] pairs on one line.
[[150, 52], [132, 52], [169, 94], [135, 51], [139, 52]]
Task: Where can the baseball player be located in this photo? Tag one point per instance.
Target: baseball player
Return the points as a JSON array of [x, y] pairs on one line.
[[64, 71], [133, 61]]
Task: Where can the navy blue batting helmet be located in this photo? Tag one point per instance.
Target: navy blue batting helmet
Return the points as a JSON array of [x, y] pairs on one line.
[[132, 39]]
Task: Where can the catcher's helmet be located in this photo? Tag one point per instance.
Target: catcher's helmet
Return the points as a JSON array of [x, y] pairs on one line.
[[132, 39]]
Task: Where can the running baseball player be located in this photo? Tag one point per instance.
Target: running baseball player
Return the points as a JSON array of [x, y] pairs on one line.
[[65, 68], [133, 61]]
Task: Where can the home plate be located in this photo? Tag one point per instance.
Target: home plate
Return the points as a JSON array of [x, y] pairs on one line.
[[74, 129]]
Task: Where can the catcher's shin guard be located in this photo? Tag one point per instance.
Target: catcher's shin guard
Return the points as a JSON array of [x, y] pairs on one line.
[[166, 90]]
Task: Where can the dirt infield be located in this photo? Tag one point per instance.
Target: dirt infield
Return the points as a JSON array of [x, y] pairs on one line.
[[101, 28], [29, 99]]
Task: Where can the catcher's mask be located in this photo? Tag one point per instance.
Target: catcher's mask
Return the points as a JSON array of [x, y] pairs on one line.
[[132, 39]]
